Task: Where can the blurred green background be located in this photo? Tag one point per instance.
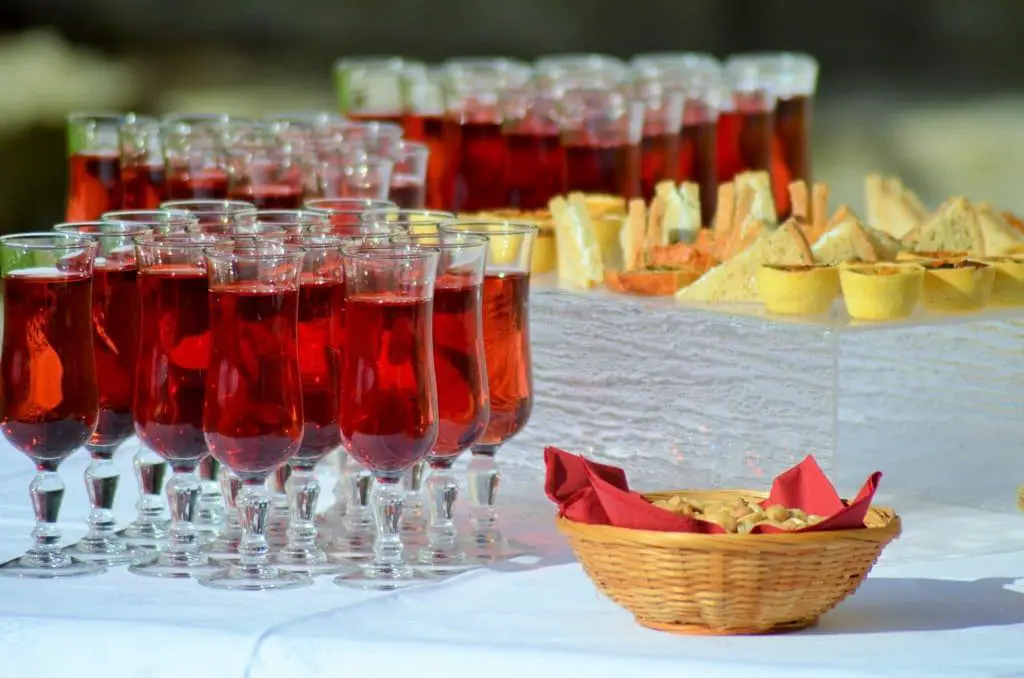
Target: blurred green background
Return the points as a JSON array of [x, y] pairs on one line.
[[928, 89]]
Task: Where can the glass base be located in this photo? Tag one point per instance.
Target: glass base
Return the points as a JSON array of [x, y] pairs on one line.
[[312, 564], [61, 565], [482, 552], [260, 578], [373, 577], [222, 550], [108, 553], [441, 563], [354, 548], [193, 566]]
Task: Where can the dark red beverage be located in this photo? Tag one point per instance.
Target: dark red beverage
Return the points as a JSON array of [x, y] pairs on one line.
[[744, 139], [407, 192], [659, 161], [430, 130], [791, 159], [48, 397], [270, 196], [534, 172], [393, 118], [174, 350], [94, 185], [507, 346], [612, 170], [209, 184], [388, 410], [475, 175], [698, 163], [462, 400], [253, 418], [143, 187], [321, 346], [115, 324]]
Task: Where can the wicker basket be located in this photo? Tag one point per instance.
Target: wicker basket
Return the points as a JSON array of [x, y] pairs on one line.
[[726, 584]]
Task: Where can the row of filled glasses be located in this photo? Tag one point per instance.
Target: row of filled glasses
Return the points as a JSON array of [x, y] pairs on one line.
[[507, 133], [266, 338], [132, 162]]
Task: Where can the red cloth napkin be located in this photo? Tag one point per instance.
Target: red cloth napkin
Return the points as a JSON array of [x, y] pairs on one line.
[[597, 494]]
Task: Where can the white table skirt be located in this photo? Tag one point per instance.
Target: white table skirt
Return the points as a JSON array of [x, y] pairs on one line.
[[944, 601]]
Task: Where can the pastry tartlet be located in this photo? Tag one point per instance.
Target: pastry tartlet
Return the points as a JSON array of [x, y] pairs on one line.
[[881, 291], [957, 284], [1008, 283], [798, 290]]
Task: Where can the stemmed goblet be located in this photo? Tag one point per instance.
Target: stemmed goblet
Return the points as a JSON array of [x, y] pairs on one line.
[[463, 402], [388, 388], [115, 327], [506, 298], [170, 385], [49, 401], [252, 416]]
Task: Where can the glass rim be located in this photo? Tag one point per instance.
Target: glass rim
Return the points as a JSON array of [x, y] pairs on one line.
[[182, 240], [480, 227], [372, 124], [216, 206], [47, 240], [400, 212], [151, 217], [129, 228], [327, 240], [389, 252], [254, 251], [472, 241], [347, 205], [298, 216], [227, 230]]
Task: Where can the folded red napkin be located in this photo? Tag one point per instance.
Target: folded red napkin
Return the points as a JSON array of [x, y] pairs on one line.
[[597, 494]]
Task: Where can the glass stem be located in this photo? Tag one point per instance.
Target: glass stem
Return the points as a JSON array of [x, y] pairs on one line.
[[303, 491], [413, 516], [183, 491], [442, 490], [47, 492], [254, 504], [211, 505], [483, 479], [341, 490], [101, 478], [388, 506], [359, 483], [150, 472], [230, 485]]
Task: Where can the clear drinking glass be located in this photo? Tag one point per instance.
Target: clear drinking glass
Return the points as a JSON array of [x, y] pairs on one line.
[[345, 214], [265, 167], [210, 211], [252, 417], [534, 170], [410, 221], [388, 389], [506, 323], [115, 323], [370, 88], [424, 122], [50, 401], [364, 177], [143, 180], [170, 385], [292, 221], [409, 178], [94, 165], [600, 131], [194, 160], [746, 120], [463, 401]]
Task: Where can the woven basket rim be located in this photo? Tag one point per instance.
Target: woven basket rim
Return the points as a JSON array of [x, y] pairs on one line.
[[889, 529]]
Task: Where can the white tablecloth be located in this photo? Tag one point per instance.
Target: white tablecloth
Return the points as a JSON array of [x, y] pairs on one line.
[[944, 601]]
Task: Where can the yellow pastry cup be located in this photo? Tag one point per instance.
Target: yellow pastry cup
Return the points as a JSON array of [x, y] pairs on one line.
[[886, 291], [957, 286], [1008, 282], [930, 256], [798, 290]]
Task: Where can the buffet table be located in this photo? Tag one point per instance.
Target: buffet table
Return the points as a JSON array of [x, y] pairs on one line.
[[944, 601]]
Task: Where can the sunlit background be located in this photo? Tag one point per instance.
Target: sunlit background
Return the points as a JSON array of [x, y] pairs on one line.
[[926, 89]]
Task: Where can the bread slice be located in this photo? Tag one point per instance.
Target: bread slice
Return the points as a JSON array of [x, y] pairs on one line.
[[579, 254], [845, 240], [902, 210], [762, 206], [952, 228], [736, 279], [886, 247], [999, 236]]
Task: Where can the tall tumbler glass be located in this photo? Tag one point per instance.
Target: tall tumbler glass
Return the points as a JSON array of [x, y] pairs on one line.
[[388, 388], [506, 322], [409, 177], [264, 168], [601, 130], [194, 161], [535, 164], [143, 180], [49, 401], [659, 147], [746, 120], [115, 325], [474, 147], [463, 402], [94, 165], [424, 122], [170, 385], [252, 416], [370, 88]]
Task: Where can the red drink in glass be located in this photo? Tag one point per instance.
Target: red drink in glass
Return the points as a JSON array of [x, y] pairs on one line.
[[744, 139], [270, 196], [94, 185], [429, 129], [613, 170], [115, 319], [659, 161], [321, 346], [601, 132], [143, 187], [393, 118], [388, 414], [253, 418], [143, 180], [698, 160], [791, 157], [209, 184], [49, 402], [535, 169], [475, 176], [174, 350], [509, 367], [407, 192]]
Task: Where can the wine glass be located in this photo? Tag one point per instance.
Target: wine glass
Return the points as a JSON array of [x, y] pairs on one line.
[[321, 346], [49, 401], [388, 389], [506, 297], [170, 384], [463, 402], [252, 417], [115, 325]]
